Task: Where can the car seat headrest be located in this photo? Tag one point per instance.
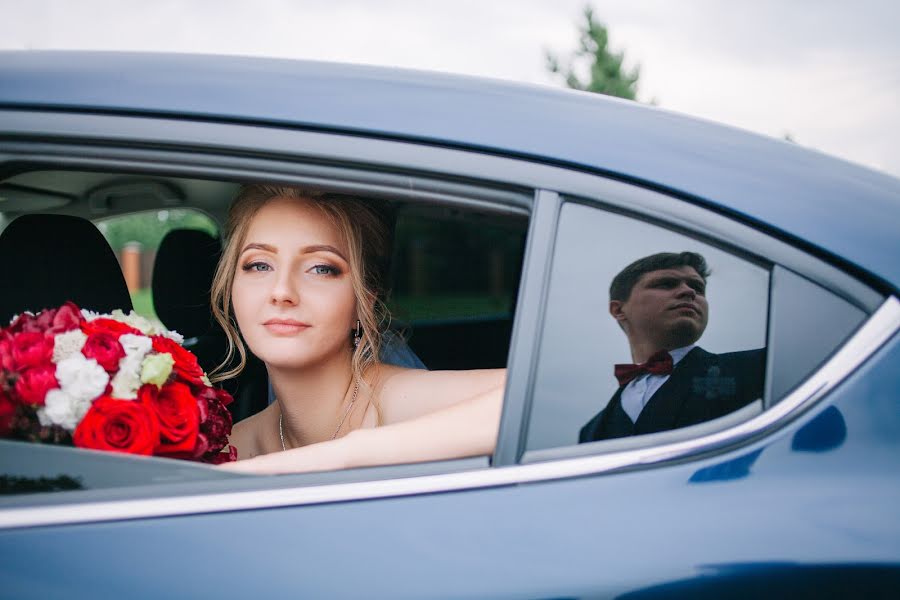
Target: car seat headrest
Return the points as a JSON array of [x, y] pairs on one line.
[[50, 259], [182, 278]]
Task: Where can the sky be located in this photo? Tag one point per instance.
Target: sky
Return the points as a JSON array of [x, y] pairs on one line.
[[825, 72]]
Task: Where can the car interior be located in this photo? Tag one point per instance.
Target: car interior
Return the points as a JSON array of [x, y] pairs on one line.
[[454, 274]]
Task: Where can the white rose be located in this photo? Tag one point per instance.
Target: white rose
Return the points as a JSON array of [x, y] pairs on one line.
[[68, 343], [81, 378], [135, 345], [127, 381], [89, 315], [62, 409]]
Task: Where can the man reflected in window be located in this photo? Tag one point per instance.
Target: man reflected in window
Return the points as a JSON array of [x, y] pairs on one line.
[[660, 303]]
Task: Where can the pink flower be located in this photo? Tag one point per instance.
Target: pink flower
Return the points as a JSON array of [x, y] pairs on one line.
[[33, 384], [29, 349], [105, 349], [67, 318], [6, 357]]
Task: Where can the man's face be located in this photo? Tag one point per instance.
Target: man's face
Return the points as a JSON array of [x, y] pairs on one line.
[[667, 309]]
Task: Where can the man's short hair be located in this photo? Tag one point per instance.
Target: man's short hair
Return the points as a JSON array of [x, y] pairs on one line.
[[623, 283]]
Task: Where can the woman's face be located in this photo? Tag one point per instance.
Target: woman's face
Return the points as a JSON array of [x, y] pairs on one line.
[[292, 293]]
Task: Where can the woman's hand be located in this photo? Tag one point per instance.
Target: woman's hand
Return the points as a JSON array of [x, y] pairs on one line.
[[467, 428]]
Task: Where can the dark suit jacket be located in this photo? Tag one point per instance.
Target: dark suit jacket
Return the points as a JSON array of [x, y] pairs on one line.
[[703, 386]]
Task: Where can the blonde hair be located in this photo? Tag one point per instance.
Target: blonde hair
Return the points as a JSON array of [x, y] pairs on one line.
[[365, 228]]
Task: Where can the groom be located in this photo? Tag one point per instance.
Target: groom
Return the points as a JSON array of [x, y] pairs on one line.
[[660, 303]]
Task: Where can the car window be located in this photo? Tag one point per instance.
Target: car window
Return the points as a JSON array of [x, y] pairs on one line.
[[581, 341], [452, 291], [455, 278], [136, 238], [768, 328]]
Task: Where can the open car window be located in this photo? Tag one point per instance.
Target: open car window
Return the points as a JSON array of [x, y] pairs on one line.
[[452, 292]]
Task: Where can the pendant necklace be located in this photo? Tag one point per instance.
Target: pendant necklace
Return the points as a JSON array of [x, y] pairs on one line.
[[340, 423]]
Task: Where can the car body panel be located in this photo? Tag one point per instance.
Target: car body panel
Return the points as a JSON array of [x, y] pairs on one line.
[[779, 185], [813, 499], [666, 529]]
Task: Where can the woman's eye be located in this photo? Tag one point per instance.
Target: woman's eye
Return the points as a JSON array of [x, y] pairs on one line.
[[325, 270], [256, 266]]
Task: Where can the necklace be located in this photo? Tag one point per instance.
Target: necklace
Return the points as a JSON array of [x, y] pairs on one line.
[[340, 423]]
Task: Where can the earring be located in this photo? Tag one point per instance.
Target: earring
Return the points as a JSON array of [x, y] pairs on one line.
[[357, 334]]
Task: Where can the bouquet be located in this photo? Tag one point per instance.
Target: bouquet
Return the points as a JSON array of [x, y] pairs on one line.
[[112, 382]]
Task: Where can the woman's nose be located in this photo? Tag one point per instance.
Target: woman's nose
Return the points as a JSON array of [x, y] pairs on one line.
[[284, 290]]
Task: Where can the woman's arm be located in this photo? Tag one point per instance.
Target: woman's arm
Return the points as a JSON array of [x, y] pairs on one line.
[[467, 428], [405, 394]]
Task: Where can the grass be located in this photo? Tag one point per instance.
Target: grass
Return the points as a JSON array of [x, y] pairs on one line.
[[450, 306], [142, 300]]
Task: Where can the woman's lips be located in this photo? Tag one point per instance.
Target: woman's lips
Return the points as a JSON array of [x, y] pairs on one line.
[[285, 326]]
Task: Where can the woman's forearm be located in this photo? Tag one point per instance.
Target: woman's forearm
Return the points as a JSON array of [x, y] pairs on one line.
[[467, 428]]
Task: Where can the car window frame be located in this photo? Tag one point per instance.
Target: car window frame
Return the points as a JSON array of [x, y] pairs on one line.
[[244, 151]]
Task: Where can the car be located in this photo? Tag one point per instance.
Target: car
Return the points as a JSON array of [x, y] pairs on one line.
[[514, 206]]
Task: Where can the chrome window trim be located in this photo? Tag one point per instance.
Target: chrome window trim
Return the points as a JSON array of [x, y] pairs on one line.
[[877, 330]]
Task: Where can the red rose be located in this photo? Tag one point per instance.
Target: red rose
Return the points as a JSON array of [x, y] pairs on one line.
[[105, 349], [7, 414], [33, 384], [186, 366], [30, 349], [178, 417], [111, 326], [119, 426], [67, 318]]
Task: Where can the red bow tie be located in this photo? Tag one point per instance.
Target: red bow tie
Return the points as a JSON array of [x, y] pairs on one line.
[[658, 364]]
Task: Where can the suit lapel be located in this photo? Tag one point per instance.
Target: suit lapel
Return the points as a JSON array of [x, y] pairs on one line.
[[664, 408], [614, 421]]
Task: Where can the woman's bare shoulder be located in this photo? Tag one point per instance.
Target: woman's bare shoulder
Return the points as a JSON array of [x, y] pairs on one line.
[[247, 435]]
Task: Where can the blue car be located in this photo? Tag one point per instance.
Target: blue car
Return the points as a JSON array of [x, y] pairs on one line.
[[514, 208]]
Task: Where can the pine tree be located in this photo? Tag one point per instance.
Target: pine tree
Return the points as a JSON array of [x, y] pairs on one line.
[[606, 73]]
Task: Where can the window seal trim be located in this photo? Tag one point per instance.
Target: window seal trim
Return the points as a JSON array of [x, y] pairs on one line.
[[883, 324]]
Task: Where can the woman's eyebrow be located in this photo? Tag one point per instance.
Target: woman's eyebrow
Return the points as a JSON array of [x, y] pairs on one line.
[[255, 246], [323, 248]]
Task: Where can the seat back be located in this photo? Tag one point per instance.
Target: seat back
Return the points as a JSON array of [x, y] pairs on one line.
[[182, 279], [183, 274], [50, 259]]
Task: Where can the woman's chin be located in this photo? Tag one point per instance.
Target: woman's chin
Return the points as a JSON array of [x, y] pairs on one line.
[[291, 359]]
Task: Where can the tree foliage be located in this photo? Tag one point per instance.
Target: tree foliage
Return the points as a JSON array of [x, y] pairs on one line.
[[605, 72], [149, 228]]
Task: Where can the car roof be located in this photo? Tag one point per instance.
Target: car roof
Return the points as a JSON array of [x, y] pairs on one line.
[[844, 210]]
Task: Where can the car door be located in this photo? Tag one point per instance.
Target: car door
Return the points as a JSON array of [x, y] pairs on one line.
[[777, 495]]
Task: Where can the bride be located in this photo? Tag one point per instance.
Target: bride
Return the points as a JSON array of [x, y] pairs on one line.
[[300, 282]]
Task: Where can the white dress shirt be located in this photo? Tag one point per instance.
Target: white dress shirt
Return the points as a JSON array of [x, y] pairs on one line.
[[639, 390]]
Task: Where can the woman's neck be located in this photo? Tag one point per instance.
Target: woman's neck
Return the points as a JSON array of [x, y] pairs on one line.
[[313, 400]]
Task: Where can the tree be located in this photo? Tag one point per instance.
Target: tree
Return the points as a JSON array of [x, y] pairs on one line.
[[605, 66]]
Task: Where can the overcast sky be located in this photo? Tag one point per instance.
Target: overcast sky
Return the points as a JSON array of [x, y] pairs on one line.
[[826, 72]]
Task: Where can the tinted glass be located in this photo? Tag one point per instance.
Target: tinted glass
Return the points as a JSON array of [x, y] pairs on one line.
[[581, 341]]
